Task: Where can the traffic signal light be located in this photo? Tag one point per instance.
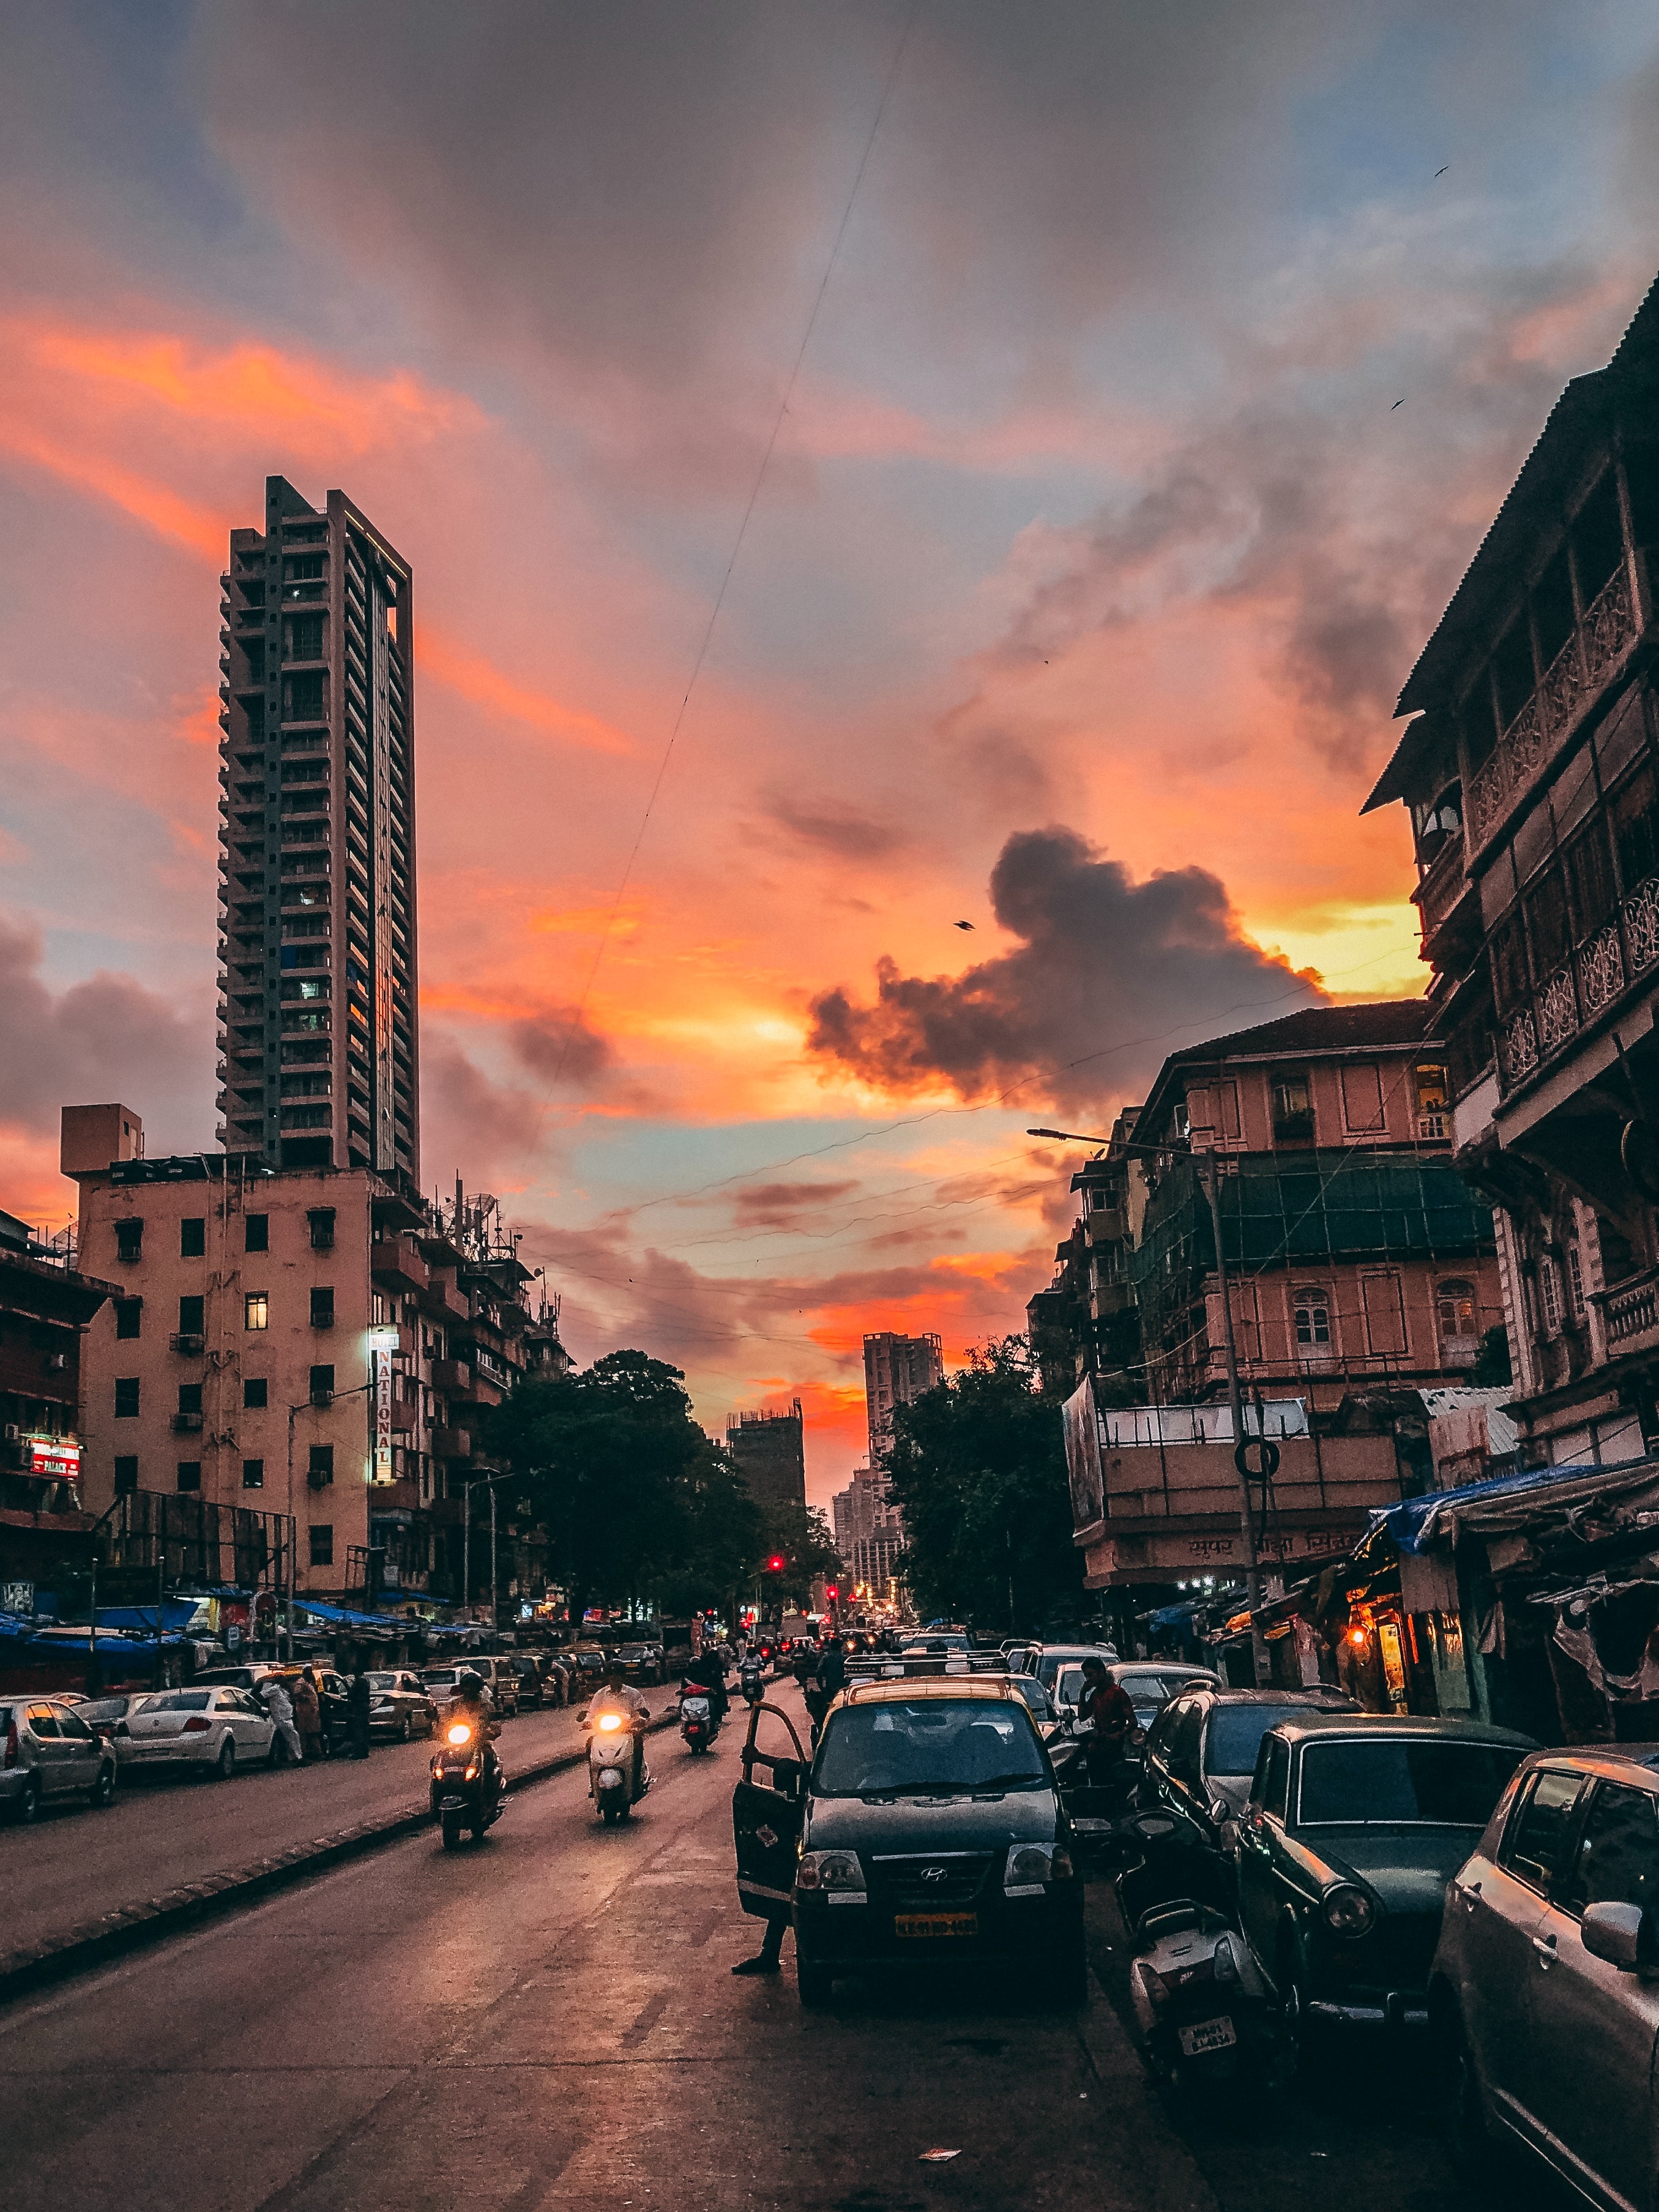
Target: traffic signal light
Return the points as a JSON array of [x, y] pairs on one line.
[[832, 1590], [775, 1566]]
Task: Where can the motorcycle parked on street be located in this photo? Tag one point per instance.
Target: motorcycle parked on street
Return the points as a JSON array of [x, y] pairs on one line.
[[468, 1786], [614, 1751], [700, 1721]]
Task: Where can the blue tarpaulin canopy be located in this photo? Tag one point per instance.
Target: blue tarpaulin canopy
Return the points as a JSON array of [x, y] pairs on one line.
[[1409, 1523], [349, 1620]]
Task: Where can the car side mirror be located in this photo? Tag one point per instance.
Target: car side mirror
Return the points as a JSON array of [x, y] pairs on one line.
[[1618, 1934]]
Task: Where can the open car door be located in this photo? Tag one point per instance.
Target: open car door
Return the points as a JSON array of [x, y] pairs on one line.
[[767, 1807]]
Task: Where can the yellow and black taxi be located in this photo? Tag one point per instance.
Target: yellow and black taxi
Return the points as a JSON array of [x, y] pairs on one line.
[[927, 1830]]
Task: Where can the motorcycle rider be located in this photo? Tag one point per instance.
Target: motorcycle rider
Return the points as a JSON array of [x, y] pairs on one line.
[[619, 1696], [707, 1670], [470, 1707], [829, 1680]]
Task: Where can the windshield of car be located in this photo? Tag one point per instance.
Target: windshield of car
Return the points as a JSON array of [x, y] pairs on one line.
[[101, 1708], [180, 1701], [383, 1681], [936, 1746], [1235, 1734], [1034, 1694], [441, 1675], [1397, 1779]]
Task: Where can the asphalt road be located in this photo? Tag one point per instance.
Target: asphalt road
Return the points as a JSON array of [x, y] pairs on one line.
[[550, 2020], [165, 1830]]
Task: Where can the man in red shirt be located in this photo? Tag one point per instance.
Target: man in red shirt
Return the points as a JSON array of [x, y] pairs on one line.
[[1106, 1706]]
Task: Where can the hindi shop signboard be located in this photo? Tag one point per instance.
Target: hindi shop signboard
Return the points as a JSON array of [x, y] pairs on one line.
[[1172, 1553]]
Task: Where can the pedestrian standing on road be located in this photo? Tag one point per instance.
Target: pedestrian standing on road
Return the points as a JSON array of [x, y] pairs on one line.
[[308, 1718], [280, 1711], [357, 1702], [1105, 1706]]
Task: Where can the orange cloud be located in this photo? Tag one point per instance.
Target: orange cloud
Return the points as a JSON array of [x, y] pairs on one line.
[[159, 508], [474, 677]]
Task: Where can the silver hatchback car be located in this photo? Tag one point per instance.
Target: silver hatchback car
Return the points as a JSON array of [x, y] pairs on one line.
[[50, 1754], [1545, 1989]]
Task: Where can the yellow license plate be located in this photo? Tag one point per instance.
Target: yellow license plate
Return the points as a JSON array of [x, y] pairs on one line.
[[936, 1923]]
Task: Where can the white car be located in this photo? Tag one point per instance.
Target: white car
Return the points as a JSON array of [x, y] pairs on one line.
[[217, 1730]]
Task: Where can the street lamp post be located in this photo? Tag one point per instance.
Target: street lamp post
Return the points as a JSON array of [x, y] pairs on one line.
[[482, 1482]]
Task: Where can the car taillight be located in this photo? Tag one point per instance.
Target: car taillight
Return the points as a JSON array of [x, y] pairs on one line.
[[11, 1745], [197, 1726]]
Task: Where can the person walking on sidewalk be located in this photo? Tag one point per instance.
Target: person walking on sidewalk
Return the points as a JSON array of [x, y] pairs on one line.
[[358, 1704], [308, 1718], [282, 1715]]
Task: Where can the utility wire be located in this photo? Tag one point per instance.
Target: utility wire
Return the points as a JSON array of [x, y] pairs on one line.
[[737, 547]]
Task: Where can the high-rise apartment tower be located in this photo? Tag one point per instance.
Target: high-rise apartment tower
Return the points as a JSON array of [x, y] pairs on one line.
[[318, 1036], [897, 1370]]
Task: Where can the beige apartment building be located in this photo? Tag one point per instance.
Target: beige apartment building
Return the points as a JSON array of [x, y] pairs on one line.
[[317, 1344]]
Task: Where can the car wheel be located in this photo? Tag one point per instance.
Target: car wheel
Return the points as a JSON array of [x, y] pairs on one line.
[[816, 1984], [225, 1766], [102, 1794], [406, 1732]]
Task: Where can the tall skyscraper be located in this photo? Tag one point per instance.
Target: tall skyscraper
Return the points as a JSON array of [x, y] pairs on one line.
[[318, 1035], [770, 1450], [897, 1370]]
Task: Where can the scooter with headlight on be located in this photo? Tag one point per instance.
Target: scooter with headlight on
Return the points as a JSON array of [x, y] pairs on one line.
[[617, 1774], [467, 1782]]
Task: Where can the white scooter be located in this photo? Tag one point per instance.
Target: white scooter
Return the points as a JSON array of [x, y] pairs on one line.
[[611, 1741]]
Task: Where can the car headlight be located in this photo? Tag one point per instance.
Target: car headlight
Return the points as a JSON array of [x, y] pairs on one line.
[[829, 1870], [1349, 1910], [1032, 1865]]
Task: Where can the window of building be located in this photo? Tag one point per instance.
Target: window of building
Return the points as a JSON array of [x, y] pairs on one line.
[[126, 1397], [255, 1232], [321, 1218], [192, 1316], [319, 1472], [1454, 1303], [322, 1305], [1576, 1281], [192, 1236], [126, 1473], [253, 1474], [1385, 1315], [1362, 1097], [189, 1474], [305, 637], [1433, 1118], [128, 1315], [1549, 1283], [256, 1311], [1293, 1115], [130, 1241], [190, 1397], [322, 1543], [1313, 1321], [253, 1391], [322, 1385], [302, 698]]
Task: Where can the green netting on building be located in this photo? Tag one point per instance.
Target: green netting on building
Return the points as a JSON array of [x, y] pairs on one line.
[[1280, 1211]]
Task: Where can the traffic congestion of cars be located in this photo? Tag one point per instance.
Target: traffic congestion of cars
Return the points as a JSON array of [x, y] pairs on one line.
[[1294, 1873]]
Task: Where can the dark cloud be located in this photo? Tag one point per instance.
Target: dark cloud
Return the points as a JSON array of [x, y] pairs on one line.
[[487, 1129], [103, 1039], [848, 832], [787, 1205], [1110, 970], [560, 1046]]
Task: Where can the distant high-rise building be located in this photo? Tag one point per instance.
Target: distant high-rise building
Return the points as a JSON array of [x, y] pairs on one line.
[[316, 950], [771, 1451], [897, 1369]]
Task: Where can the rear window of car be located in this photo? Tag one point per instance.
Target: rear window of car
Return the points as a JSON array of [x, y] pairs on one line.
[[441, 1674], [1235, 1734], [1396, 1780], [385, 1681], [179, 1701], [936, 1745]]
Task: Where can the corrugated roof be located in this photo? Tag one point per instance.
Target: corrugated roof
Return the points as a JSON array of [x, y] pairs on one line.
[[1318, 1029]]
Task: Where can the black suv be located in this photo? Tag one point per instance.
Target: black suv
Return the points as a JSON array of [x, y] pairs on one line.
[[928, 1831]]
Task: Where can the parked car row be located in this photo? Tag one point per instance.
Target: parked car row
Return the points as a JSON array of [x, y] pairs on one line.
[[62, 1745]]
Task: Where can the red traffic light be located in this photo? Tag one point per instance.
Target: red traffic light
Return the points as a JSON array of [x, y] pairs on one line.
[[775, 1564], [832, 1590]]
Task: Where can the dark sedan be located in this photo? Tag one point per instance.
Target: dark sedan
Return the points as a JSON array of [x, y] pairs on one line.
[[1352, 1828], [929, 1833]]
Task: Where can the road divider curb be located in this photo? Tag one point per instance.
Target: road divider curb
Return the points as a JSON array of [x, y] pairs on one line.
[[150, 1920]]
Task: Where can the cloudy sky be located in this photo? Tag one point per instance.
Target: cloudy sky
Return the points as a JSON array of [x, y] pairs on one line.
[[866, 467]]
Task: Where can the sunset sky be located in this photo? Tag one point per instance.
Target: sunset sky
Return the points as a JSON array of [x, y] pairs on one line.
[[1078, 577]]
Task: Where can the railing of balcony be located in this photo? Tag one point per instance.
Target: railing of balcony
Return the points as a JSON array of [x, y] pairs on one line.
[[1542, 725], [1613, 956]]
